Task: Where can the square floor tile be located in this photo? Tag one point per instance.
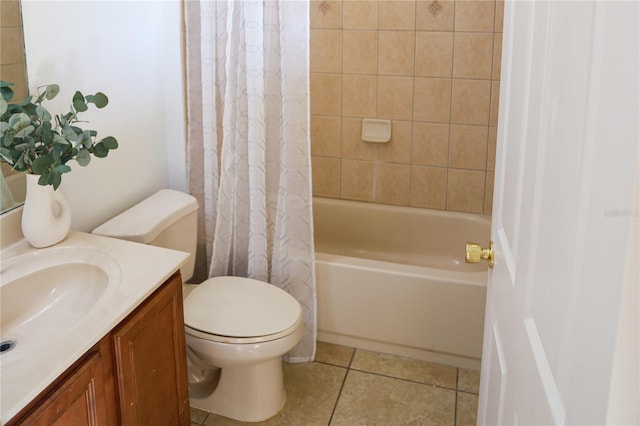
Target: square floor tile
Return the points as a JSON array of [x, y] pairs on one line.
[[466, 410], [405, 368], [198, 416], [468, 380], [330, 353], [369, 399]]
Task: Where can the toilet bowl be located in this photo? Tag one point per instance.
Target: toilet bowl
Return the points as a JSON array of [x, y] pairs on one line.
[[243, 327], [236, 329]]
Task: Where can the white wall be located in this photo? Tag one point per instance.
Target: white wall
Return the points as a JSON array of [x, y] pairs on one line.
[[130, 50]]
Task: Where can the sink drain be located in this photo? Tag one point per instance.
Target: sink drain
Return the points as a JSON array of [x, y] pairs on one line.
[[7, 345]]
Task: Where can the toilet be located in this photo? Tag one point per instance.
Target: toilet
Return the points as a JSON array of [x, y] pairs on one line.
[[236, 329]]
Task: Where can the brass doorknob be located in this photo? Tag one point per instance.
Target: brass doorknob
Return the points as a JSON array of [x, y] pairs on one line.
[[474, 253]]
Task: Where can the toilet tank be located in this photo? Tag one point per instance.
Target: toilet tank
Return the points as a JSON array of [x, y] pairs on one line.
[[167, 219]]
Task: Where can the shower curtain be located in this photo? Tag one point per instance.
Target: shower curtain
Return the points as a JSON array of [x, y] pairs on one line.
[[248, 144]]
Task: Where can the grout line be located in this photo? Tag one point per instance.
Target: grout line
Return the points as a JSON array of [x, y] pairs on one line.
[[353, 355], [404, 380], [455, 410], [330, 364], [455, 405], [450, 123], [342, 386]]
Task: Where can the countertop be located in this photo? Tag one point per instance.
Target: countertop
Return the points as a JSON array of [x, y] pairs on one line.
[[143, 269]]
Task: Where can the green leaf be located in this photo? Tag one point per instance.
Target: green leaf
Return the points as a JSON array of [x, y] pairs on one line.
[[85, 139], [47, 136], [29, 109], [100, 100], [8, 139], [83, 157], [5, 153], [18, 121], [22, 133], [56, 156], [79, 103], [110, 142], [51, 91], [12, 109], [69, 134], [44, 178], [3, 106], [60, 140], [20, 164], [39, 99], [55, 180], [80, 106], [65, 119], [7, 92], [43, 113], [41, 163], [62, 168], [100, 151]]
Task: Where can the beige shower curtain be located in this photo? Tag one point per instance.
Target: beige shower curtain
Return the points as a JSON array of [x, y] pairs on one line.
[[248, 144]]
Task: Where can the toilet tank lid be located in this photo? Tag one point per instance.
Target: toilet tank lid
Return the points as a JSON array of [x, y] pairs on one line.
[[143, 222]]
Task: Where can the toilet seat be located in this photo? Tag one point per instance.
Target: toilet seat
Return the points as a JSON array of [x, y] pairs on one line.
[[242, 340], [240, 310]]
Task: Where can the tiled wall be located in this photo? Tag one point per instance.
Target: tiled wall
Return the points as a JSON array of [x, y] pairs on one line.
[[430, 66], [12, 61]]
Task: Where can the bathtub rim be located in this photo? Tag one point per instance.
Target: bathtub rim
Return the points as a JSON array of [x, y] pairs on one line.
[[478, 278], [422, 211]]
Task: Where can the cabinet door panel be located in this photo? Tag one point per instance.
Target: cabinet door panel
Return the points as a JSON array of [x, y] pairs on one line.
[[79, 401], [151, 361]]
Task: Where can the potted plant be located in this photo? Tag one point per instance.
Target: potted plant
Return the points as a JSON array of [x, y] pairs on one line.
[[34, 141], [41, 144]]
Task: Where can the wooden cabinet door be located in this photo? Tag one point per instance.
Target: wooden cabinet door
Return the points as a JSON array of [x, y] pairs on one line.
[[150, 361], [77, 401]]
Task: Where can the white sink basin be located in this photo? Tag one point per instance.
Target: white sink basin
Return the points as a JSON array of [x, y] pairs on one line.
[[45, 295]]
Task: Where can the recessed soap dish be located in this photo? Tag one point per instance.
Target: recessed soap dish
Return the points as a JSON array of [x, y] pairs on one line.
[[375, 130]]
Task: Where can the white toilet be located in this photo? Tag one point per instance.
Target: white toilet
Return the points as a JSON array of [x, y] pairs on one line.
[[237, 329]]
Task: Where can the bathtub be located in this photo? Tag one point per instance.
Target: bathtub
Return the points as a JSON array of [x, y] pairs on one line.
[[393, 279]]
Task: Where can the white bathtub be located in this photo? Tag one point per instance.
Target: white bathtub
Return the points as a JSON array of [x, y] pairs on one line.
[[393, 279]]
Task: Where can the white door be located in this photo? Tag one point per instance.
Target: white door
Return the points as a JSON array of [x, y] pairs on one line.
[[566, 166]]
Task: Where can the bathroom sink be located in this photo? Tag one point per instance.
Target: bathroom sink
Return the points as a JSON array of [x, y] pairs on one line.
[[45, 294]]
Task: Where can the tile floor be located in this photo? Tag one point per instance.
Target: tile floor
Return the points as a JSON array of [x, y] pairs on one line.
[[346, 386]]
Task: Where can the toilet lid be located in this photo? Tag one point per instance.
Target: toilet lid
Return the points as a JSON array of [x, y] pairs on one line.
[[240, 307]]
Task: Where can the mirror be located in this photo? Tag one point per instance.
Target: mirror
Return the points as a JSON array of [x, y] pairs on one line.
[[13, 187], [13, 68]]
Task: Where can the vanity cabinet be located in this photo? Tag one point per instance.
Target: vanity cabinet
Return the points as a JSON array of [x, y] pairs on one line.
[[135, 375], [150, 361]]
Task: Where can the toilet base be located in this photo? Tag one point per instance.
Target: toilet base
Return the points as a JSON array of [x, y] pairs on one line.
[[248, 393]]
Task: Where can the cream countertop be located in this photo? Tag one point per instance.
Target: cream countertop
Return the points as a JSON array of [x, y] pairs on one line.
[[143, 269]]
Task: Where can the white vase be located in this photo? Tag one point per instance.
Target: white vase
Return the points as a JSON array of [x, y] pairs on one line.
[[46, 217]]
